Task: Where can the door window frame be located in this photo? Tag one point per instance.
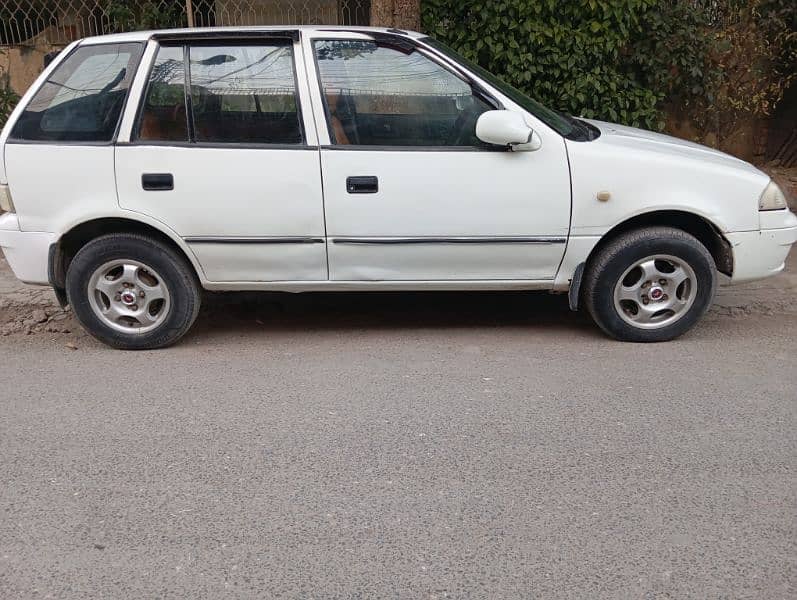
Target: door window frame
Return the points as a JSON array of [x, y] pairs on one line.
[[319, 103], [133, 112]]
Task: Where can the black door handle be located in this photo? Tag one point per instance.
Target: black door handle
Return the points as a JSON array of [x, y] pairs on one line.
[[362, 185], [157, 182]]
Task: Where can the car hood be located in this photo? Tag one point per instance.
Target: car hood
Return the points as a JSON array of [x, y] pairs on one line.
[[645, 171], [649, 141]]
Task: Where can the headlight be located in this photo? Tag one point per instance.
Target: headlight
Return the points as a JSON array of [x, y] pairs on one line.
[[5, 199], [773, 198]]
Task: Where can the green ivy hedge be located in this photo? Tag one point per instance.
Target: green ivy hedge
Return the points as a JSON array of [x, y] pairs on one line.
[[610, 59]]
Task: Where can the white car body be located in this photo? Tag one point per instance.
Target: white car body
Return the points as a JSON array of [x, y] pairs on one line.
[[271, 218]]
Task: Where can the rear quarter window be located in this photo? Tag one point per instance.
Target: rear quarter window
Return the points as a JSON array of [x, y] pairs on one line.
[[83, 98]]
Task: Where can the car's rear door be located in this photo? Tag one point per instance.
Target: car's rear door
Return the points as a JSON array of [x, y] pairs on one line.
[[410, 193], [221, 152]]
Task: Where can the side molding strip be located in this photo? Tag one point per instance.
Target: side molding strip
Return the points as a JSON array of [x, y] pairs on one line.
[[375, 240], [450, 240], [253, 240]]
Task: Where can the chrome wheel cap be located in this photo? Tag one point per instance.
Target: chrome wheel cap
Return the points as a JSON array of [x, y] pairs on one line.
[[129, 296], [655, 292]]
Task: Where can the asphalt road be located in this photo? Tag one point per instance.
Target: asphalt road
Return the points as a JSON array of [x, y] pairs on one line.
[[407, 446]]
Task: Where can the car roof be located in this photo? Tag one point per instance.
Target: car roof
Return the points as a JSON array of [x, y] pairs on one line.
[[142, 36]]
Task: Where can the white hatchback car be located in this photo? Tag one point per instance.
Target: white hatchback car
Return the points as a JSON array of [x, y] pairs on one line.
[[143, 167]]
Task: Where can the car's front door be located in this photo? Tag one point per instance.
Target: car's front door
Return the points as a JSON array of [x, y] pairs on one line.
[[221, 152], [410, 193]]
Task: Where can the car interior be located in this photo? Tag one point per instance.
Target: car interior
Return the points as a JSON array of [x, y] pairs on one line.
[[219, 118], [392, 120], [251, 118]]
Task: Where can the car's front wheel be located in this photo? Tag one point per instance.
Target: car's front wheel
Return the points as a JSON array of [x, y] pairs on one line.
[[132, 292], [650, 285]]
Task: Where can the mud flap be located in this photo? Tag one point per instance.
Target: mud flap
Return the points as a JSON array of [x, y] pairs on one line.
[[575, 287], [56, 276]]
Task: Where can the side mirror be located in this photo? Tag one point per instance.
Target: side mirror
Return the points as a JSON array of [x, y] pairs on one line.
[[506, 128]]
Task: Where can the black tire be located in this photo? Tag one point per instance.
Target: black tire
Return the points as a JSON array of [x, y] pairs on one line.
[[179, 278], [611, 262]]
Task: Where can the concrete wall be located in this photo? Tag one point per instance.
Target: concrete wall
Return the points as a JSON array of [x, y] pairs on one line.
[[23, 64], [404, 14]]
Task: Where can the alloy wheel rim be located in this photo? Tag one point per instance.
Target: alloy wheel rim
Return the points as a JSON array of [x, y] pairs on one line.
[[655, 291], [129, 296]]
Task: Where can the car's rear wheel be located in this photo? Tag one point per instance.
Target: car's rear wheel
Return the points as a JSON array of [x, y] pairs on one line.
[[650, 285], [132, 292]]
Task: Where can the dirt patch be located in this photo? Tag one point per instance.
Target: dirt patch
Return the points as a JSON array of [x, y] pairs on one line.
[[30, 309], [31, 317], [38, 320]]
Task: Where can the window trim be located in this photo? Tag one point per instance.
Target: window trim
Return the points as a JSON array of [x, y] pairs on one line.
[[408, 148], [383, 38], [211, 36], [190, 124], [142, 102], [135, 68], [214, 39], [216, 145]]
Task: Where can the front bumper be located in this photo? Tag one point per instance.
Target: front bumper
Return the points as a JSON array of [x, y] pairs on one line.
[[758, 254], [26, 251]]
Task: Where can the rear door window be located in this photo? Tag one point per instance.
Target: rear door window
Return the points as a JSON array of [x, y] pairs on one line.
[[82, 101], [245, 94], [239, 94], [164, 116]]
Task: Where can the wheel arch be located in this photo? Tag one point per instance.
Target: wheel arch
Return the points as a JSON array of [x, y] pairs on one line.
[[706, 232], [70, 242]]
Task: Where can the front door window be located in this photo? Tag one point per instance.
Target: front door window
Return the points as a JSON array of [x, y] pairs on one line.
[[377, 94]]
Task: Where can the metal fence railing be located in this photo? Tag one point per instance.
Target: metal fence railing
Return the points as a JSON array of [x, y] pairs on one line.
[[58, 22]]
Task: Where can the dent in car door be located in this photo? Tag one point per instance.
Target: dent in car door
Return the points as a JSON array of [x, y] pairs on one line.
[[242, 173]]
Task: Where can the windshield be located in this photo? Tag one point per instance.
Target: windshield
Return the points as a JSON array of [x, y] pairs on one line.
[[564, 125]]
